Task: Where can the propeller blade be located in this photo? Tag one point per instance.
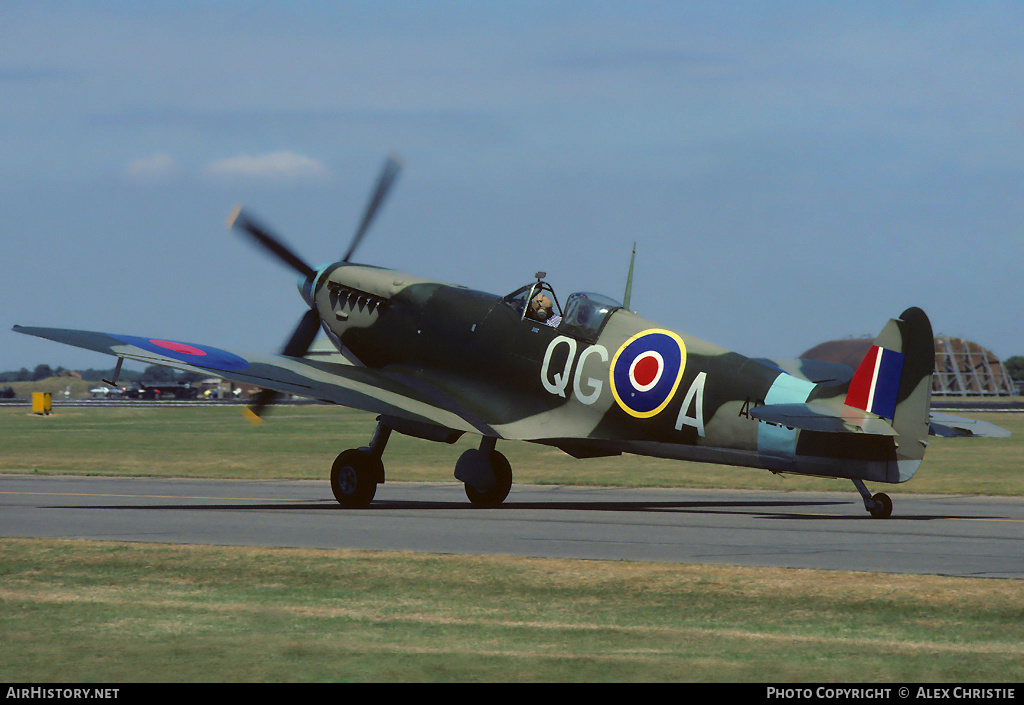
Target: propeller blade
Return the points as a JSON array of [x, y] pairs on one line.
[[302, 337], [387, 177], [272, 244], [255, 411], [297, 346], [309, 325]]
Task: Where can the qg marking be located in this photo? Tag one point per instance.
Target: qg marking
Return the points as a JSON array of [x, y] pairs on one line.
[[587, 391], [559, 382]]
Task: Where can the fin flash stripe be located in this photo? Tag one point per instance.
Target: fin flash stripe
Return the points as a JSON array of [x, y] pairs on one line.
[[876, 382]]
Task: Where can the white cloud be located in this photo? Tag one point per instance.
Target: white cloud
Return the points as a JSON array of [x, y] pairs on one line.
[[275, 167], [159, 167]]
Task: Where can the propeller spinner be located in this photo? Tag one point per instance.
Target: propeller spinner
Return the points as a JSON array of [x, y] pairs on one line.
[[305, 332]]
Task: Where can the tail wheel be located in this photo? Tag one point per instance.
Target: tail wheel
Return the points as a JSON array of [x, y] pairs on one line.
[[354, 477], [882, 506], [494, 495]]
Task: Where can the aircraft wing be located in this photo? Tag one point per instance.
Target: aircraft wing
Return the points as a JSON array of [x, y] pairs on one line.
[[958, 427], [344, 384]]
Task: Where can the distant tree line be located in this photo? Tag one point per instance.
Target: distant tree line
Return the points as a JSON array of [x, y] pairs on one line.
[[153, 373], [1015, 367], [24, 375]]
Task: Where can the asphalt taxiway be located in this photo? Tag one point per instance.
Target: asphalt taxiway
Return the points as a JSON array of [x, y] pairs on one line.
[[927, 534]]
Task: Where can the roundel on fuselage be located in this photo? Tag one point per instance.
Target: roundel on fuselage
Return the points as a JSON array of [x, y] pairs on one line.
[[646, 370]]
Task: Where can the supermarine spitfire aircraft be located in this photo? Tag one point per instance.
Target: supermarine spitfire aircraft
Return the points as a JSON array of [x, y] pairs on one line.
[[587, 376]]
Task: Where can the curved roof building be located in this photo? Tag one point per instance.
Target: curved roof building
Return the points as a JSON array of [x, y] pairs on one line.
[[962, 367]]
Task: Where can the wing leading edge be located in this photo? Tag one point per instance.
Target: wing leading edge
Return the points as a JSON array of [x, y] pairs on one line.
[[343, 384]]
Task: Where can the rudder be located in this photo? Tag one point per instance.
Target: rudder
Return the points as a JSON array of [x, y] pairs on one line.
[[894, 382]]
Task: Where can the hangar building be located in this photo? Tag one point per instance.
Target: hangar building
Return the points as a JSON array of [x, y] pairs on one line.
[[962, 367]]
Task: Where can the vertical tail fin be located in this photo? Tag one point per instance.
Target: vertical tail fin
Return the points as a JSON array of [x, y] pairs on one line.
[[894, 380]]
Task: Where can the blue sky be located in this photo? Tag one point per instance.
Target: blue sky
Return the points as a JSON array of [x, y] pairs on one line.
[[791, 172]]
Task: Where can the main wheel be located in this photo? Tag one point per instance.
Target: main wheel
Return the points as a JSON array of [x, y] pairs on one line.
[[493, 496], [882, 507], [354, 477]]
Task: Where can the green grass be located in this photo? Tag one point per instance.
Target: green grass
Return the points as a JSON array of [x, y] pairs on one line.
[[115, 612], [300, 442], [83, 611]]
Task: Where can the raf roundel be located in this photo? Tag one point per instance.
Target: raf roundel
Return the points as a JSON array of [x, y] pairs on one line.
[[193, 354], [646, 371]]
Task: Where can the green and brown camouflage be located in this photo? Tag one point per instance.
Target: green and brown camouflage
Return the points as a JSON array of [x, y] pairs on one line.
[[590, 377], [519, 379], [437, 360]]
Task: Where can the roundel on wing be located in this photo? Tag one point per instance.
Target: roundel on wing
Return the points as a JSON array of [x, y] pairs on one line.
[[646, 370], [191, 353]]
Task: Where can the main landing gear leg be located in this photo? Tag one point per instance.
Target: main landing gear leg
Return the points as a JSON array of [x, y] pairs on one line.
[[879, 505], [486, 474], [356, 471]]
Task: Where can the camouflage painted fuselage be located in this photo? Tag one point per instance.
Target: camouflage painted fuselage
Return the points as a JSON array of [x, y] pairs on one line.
[[602, 383]]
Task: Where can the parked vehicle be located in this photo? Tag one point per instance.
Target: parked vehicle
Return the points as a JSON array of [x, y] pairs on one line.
[[141, 390], [105, 392]]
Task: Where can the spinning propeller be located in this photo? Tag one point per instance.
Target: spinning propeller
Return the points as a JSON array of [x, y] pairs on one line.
[[302, 337]]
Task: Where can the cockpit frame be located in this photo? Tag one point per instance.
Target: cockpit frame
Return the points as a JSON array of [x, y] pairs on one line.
[[520, 298], [584, 315]]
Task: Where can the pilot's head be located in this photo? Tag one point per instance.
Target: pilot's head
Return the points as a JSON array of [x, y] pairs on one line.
[[540, 308]]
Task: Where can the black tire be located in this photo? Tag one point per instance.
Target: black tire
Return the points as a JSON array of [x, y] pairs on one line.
[[490, 497], [354, 478], [882, 508]]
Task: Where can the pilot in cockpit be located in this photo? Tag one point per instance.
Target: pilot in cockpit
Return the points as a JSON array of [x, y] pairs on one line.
[[541, 309]]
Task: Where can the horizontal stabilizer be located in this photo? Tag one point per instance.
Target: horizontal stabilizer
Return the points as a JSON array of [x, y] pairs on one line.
[[824, 417], [958, 427]]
